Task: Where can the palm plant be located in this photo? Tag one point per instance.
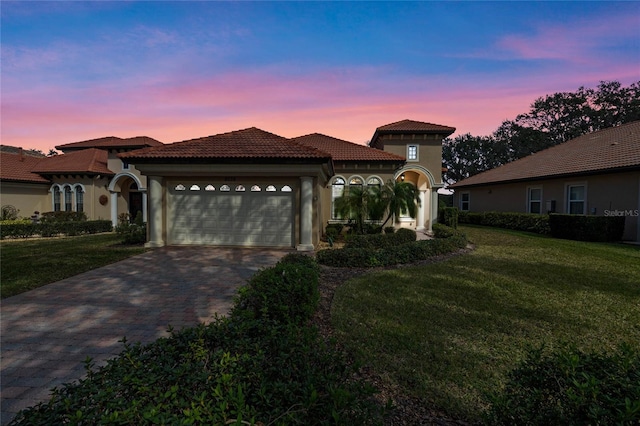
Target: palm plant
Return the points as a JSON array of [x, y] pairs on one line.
[[398, 197]]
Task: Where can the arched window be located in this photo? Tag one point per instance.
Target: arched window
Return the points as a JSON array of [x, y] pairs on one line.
[[356, 181], [225, 188], [271, 188], [240, 188], [256, 188], [374, 181], [194, 188], [337, 189], [56, 198], [286, 188], [180, 187], [67, 199], [79, 199], [210, 188]]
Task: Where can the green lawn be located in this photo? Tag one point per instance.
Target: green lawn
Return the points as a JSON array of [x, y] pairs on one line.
[[28, 264], [450, 332]]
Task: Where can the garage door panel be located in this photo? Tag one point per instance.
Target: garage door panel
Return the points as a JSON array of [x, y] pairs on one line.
[[231, 218]]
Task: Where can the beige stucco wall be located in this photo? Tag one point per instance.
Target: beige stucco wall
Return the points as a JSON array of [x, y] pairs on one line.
[[26, 197], [606, 194], [94, 187], [429, 151]]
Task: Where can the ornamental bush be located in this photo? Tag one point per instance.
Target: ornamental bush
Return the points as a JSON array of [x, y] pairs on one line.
[[27, 229], [587, 228], [571, 387], [378, 241], [528, 222]]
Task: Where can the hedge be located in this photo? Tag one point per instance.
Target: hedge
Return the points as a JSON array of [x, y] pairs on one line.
[[405, 253], [587, 228], [51, 229], [529, 222], [571, 387], [263, 364], [377, 241]]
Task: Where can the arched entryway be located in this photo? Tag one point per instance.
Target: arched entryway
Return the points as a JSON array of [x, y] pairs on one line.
[[422, 179], [128, 195]]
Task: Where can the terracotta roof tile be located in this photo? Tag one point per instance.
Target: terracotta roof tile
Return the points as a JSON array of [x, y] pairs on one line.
[[408, 127], [86, 161], [17, 167], [415, 126], [111, 142], [341, 150], [251, 143], [608, 149]]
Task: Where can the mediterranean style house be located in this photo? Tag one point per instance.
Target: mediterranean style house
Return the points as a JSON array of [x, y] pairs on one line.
[[594, 174], [243, 188]]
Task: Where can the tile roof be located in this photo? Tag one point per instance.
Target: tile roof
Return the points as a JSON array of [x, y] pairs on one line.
[[111, 142], [91, 161], [16, 167], [341, 150], [615, 148], [251, 143], [415, 126], [410, 127]]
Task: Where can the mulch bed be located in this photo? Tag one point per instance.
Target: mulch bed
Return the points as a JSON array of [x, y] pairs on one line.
[[407, 410]]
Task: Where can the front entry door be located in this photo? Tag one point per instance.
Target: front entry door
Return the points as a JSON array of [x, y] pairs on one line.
[[135, 204]]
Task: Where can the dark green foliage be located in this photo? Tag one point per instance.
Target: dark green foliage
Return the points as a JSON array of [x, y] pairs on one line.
[[587, 228], [51, 229], [132, 233], [285, 294], [449, 216], [393, 255], [389, 229], [571, 387], [261, 365], [528, 222], [9, 212], [378, 241], [443, 231], [55, 217], [333, 230]]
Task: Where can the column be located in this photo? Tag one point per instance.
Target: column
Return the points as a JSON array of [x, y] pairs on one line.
[[144, 206], [154, 215], [306, 214], [421, 209], [114, 208], [434, 208]]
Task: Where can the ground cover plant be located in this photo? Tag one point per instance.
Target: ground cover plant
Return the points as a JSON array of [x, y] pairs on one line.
[[263, 364], [450, 333], [28, 264]]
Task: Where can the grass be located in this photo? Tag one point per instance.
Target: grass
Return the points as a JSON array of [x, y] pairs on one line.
[[450, 332], [28, 264]]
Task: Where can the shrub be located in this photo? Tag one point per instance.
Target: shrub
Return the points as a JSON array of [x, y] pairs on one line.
[[587, 228], [25, 229], [9, 212], [415, 251], [54, 217], [389, 229], [443, 231], [333, 231], [528, 222], [377, 241], [449, 217], [571, 387], [132, 233]]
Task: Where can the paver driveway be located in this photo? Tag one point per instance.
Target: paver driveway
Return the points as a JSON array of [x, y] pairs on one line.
[[47, 333]]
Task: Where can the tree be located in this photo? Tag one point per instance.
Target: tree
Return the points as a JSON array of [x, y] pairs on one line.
[[551, 120], [397, 198], [394, 198]]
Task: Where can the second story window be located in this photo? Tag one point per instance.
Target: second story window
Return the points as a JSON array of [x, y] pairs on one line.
[[412, 152], [125, 165]]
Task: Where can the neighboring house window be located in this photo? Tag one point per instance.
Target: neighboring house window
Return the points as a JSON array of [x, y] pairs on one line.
[[576, 199], [67, 199], [79, 199], [337, 189], [412, 152], [465, 201], [534, 198], [56, 199]]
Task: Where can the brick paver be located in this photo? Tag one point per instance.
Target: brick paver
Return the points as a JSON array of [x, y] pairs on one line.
[[47, 333]]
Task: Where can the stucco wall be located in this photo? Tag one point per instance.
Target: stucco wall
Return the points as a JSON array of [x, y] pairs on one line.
[[94, 187], [429, 151], [26, 197], [606, 194]]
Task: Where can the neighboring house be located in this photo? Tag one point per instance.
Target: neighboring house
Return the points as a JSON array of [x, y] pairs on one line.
[[594, 174], [254, 188], [87, 177]]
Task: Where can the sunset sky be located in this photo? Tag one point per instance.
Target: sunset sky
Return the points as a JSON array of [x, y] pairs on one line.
[[73, 71]]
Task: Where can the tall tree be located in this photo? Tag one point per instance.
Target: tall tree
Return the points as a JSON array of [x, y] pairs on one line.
[[396, 198], [467, 155]]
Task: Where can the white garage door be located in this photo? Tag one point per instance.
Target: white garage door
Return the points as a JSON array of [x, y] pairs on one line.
[[232, 215]]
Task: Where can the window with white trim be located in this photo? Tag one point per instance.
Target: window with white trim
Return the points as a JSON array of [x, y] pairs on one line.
[[68, 199], [79, 199], [576, 195], [465, 201], [412, 152], [337, 189], [534, 200], [56, 199]]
